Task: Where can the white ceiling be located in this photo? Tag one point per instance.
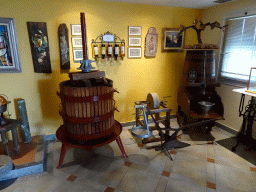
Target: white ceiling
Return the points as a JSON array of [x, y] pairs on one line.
[[174, 3]]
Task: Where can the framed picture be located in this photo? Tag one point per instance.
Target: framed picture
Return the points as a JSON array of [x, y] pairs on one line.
[[134, 41], [78, 54], [9, 51], [251, 87], [134, 52], [77, 42], [76, 30], [134, 30], [170, 41]]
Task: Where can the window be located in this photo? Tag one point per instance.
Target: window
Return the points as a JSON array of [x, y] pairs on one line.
[[239, 49]]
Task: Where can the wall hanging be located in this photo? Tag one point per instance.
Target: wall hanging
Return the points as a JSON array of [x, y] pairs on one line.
[[78, 54], [134, 30], [9, 51], [170, 41], [39, 45], [77, 42], [134, 53], [76, 29], [110, 47], [151, 43], [135, 41], [64, 47]]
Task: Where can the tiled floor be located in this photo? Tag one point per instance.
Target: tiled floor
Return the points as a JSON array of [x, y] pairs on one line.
[[199, 167]]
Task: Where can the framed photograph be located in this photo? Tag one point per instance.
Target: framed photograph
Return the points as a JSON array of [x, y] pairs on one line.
[[134, 52], [170, 41], [9, 51], [134, 41], [77, 42], [78, 54], [134, 30], [76, 30]]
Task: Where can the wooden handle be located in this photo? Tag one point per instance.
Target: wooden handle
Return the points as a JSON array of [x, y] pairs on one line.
[[83, 29]]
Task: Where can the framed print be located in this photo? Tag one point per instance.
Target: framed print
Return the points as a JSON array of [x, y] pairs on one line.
[[9, 51], [77, 42], [76, 30], [134, 52], [251, 87], [134, 41], [78, 54], [39, 45], [134, 30], [170, 41]]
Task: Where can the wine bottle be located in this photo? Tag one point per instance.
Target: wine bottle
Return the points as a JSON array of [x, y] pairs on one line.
[[122, 53], [109, 51], [96, 51], [116, 51], [103, 51]]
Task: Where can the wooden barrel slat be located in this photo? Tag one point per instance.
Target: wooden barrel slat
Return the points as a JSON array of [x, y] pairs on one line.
[[96, 113], [83, 104], [76, 105], [73, 112], [85, 126], [70, 104], [91, 109], [80, 105]]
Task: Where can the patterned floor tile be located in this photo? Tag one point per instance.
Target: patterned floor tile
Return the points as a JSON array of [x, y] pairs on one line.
[[138, 181], [235, 178], [181, 186]]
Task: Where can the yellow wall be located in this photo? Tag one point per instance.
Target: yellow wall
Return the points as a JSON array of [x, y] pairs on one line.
[[230, 99], [134, 78]]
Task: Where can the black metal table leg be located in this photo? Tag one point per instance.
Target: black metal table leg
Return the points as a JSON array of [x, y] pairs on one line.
[[245, 134]]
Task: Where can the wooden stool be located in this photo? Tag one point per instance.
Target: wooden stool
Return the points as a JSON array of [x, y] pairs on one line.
[[61, 135], [11, 124]]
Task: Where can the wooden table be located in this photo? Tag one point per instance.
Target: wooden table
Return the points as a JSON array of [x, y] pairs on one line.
[[11, 125], [61, 135], [248, 112]]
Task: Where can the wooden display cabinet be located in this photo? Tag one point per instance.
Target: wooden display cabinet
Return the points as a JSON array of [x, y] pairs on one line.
[[198, 84]]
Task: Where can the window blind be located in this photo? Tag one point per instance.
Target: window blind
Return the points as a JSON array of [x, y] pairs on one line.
[[239, 51]]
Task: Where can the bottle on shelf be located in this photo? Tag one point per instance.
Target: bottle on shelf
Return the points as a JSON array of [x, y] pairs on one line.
[[116, 51], [109, 51], [103, 50], [122, 50], [96, 51]]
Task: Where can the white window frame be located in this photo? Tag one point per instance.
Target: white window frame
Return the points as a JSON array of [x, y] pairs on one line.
[[234, 14]]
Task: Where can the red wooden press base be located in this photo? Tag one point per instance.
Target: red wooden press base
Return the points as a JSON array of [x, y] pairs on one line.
[[61, 135]]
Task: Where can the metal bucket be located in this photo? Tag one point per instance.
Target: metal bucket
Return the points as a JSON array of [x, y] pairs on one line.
[[206, 107]]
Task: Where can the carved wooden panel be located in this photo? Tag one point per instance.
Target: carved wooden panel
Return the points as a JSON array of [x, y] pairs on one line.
[[39, 44]]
